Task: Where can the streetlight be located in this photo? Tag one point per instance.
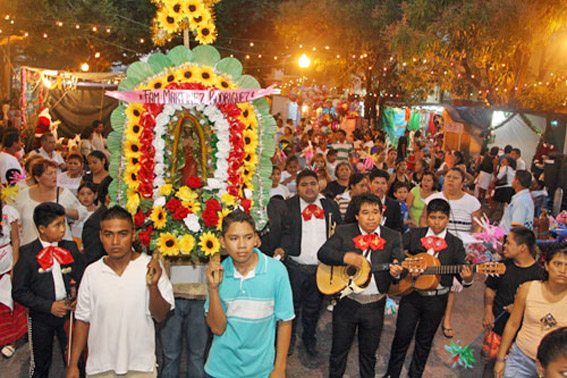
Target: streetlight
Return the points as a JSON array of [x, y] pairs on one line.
[[304, 61], [84, 67]]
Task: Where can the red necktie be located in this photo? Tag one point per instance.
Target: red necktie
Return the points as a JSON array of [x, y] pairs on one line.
[[372, 241], [313, 210], [433, 242], [45, 257]]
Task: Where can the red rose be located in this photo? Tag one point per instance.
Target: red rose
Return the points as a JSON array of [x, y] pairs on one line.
[[210, 218], [246, 204], [232, 190], [154, 109], [173, 204], [145, 236], [147, 121], [147, 189], [180, 213], [139, 219], [213, 205], [194, 182]]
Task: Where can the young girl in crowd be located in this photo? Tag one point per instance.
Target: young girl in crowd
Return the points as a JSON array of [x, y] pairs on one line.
[[290, 174], [98, 166], [71, 179], [319, 165], [13, 323], [87, 197], [278, 189]]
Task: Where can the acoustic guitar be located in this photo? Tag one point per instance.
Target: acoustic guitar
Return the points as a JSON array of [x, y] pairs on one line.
[[332, 279], [431, 276]]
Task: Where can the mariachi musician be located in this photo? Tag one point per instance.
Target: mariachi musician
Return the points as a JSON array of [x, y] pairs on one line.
[[365, 241], [424, 309]]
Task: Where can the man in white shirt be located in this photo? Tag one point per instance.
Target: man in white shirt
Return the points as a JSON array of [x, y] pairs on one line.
[[520, 211], [516, 154], [9, 164], [118, 297], [47, 150]]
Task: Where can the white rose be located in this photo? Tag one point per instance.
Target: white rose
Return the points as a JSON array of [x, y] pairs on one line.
[[192, 222], [159, 202]]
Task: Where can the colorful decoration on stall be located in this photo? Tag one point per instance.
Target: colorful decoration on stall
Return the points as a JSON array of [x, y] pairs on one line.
[[184, 167], [174, 16], [490, 243]]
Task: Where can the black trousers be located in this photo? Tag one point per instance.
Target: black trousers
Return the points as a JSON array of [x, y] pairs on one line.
[[425, 314], [348, 315], [306, 300], [42, 330]]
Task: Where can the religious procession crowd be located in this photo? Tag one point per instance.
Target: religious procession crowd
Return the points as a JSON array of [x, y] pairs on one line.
[[338, 199]]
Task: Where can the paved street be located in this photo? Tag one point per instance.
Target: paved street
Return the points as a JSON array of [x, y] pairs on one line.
[[467, 320]]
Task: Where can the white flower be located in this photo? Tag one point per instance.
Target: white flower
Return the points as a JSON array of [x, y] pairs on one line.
[[159, 144], [159, 202], [247, 193], [159, 169], [192, 222], [163, 118]]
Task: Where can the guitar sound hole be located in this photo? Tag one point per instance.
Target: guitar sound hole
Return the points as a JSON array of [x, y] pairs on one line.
[[351, 270]]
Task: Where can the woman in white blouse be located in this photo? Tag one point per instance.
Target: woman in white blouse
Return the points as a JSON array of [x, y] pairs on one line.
[[45, 173]]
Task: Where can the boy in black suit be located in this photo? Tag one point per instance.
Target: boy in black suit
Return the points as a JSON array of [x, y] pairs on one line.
[[42, 283], [308, 222], [424, 309], [354, 244]]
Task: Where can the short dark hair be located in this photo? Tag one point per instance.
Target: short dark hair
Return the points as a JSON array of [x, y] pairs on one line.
[[45, 213], [275, 168], [523, 235], [239, 216], [429, 173], [375, 173], [45, 136], [341, 131], [552, 347], [517, 150], [10, 138], [306, 173], [455, 169], [507, 149], [494, 151], [398, 185], [367, 198], [100, 156], [117, 212], [41, 166], [439, 205], [511, 162], [355, 178], [76, 157], [86, 184], [524, 178], [332, 151]]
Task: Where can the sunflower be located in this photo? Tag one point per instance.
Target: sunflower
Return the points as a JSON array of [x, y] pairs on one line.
[[207, 77], [167, 244], [190, 74], [247, 174], [186, 194], [186, 244], [206, 33], [250, 140], [209, 243], [134, 111], [165, 189], [228, 199], [193, 206], [133, 163], [131, 177], [177, 7], [251, 123], [159, 217], [247, 112], [133, 131], [194, 7], [133, 203], [250, 159], [224, 83], [171, 77], [132, 148], [199, 19], [156, 83], [223, 213], [167, 19], [245, 185]]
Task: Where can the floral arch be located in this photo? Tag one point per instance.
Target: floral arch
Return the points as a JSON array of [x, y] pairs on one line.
[[182, 168]]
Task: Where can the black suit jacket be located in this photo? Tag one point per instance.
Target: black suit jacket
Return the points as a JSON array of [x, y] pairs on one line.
[[36, 290], [92, 246], [393, 214], [333, 251], [291, 235], [454, 254], [271, 234]]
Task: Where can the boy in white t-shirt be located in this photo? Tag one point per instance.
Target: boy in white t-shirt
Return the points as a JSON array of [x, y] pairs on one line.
[[277, 188]]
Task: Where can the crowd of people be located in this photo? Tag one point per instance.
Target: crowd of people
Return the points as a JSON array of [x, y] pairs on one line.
[[337, 198]]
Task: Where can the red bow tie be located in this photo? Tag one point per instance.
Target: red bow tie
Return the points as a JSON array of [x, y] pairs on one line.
[[45, 257], [313, 210], [433, 242], [372, 241]]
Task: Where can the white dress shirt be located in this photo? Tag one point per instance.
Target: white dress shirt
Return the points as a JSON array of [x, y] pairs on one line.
[[372, 288], [59, 284], [313, 235]]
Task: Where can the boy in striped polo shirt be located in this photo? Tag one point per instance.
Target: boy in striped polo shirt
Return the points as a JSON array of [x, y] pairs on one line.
[[247, 294], [342, 146]]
